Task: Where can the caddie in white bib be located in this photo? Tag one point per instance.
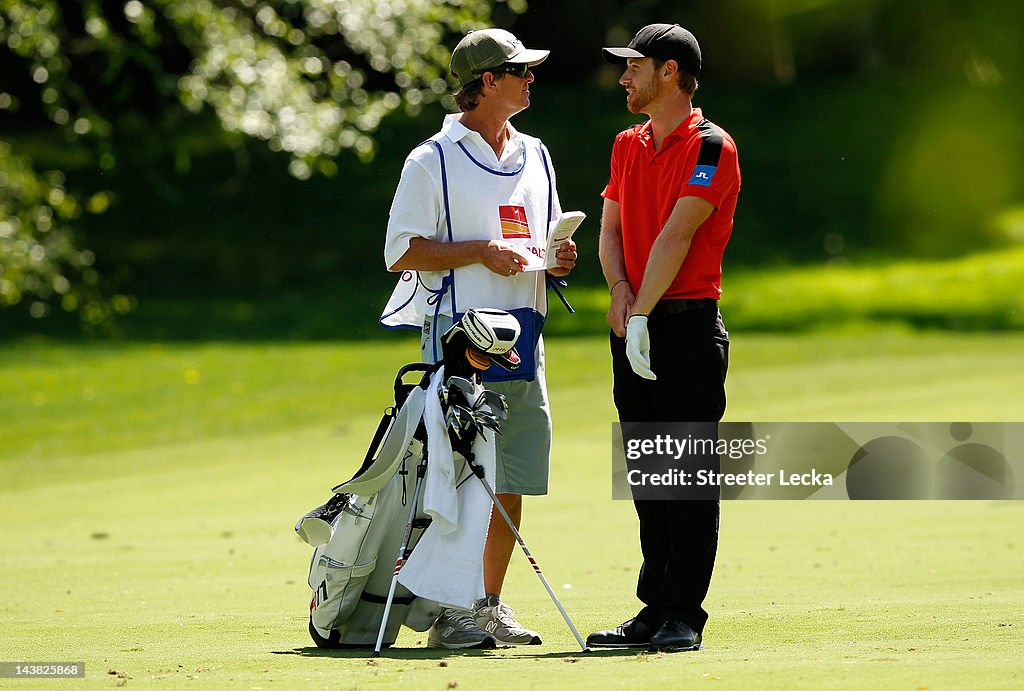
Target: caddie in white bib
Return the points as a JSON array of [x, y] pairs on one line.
[[475, 196]]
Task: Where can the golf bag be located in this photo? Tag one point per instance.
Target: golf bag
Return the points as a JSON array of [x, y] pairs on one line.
[[356, 526], [363, 517]]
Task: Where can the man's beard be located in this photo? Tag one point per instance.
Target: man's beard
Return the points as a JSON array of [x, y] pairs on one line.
[[642, 96]]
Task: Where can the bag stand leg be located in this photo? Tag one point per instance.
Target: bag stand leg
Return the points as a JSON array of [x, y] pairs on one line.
[[421, 471], [479, 472]]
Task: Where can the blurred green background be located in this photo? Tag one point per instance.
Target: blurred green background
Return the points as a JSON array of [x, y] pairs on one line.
[[201, 187]]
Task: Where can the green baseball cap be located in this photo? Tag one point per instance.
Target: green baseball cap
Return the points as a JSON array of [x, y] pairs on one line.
[[486, 49]]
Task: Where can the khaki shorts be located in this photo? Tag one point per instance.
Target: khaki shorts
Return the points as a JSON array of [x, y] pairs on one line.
[[523, 448]]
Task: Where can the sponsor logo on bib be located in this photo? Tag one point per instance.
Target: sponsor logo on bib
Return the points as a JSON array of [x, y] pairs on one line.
[[513, 222]]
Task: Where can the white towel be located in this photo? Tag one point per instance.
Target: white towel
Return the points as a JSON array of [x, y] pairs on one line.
[[447, 564], [440, 498]]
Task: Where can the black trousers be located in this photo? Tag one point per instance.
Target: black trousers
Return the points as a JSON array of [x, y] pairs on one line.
[[678, 538]]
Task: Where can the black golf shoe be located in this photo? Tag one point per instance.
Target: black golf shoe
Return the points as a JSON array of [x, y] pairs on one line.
[[674, 636], [629, 634]]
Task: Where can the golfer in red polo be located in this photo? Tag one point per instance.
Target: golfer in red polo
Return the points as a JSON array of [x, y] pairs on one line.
[[668, 215]]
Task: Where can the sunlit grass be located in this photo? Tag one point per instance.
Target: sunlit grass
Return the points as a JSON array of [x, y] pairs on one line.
[[981, 291], [147, 494]]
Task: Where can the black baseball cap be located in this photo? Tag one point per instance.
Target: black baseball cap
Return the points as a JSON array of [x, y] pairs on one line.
[[662, 41]]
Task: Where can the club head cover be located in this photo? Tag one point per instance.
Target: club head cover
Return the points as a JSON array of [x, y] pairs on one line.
[[489, 333]]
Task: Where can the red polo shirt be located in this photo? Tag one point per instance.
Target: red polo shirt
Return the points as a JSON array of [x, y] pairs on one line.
[[698, 159]]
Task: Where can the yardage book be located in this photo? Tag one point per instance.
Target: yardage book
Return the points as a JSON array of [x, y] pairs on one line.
[[561, 230]]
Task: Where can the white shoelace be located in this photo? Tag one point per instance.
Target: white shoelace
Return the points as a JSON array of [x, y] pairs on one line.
[[504, 614], [461, 618]]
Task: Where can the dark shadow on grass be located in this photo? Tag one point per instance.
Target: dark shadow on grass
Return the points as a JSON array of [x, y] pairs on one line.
[[440, 653], [396, 653], [593, 652]]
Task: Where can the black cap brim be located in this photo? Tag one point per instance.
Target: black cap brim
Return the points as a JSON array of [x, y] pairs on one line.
[[618, 56]]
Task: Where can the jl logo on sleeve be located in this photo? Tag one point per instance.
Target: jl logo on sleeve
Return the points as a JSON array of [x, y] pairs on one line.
[[702, 175]]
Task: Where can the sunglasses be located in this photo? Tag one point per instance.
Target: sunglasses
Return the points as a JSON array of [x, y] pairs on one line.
[[515, 69]]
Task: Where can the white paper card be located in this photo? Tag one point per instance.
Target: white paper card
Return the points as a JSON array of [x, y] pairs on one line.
[[560, 231]]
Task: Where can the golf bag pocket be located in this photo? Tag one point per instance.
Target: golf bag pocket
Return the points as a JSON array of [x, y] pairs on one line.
[[337, 591], [338, 568], [350, 576]]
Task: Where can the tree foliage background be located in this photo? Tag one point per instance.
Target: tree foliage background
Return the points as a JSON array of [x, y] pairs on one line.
[[312, 78], [205, 148]]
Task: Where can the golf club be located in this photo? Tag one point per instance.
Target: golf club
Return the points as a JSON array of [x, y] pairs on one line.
[[479, 472]]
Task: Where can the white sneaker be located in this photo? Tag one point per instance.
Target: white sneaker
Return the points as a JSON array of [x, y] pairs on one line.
[[494, 616], [454, 629]]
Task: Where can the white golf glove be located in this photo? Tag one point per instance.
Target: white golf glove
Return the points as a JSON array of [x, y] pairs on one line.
[[638, 346]]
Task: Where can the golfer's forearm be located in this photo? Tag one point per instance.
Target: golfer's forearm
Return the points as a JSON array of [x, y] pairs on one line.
[[612, 264], [430, 255], [669, 250], [666, 257], [609, 250]]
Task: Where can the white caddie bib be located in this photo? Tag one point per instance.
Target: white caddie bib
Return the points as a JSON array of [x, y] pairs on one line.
[[480, 203]]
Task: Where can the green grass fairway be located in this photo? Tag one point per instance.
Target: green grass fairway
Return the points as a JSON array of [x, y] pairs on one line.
[[148, 492]]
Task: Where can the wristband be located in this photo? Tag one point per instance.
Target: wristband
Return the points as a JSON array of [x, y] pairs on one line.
[[621, 280]]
